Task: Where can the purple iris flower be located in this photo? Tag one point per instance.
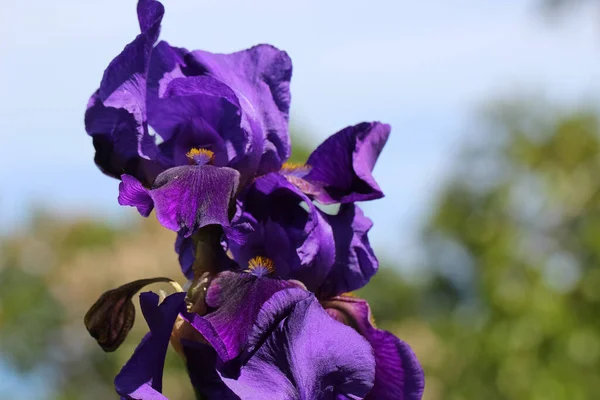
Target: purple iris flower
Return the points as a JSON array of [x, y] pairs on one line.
[[329, 253], [261, 338], [247, 335], [203, 139], [218, 121], [398, 372]]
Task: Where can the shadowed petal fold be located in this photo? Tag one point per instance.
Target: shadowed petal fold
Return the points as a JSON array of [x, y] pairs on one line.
[[355, 261], [116, 114], [184, 247], [343, 163], [141, 377], [398, 372], [201, 360], [288, 229], [186, 198]]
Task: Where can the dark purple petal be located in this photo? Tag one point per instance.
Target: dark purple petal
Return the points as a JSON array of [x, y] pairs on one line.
[[237, 299], [355, 261], [141, 376], [307, 356], [398, 372], [343, 163], [186, 198], [260, 78], [288, 229], [166, 63], [184, 246], [201, 361], [199, 112], [116, 114], [267, 239]]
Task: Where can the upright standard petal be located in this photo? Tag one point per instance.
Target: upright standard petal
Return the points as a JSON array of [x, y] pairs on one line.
[[141, 377], [307, 355], [260, 78], [199, 112], [343, 163], [398, 374], [355, 261], [116, 114], [186, 198]]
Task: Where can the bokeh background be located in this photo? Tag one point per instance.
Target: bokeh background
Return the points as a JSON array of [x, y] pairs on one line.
[[489, 234]]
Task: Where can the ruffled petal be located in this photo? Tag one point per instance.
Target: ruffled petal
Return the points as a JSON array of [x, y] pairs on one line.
[[260, 78], [307, 355], [116, 114], [343, 163], [186, 198], [398, 372], [141, 376], [355, 261]]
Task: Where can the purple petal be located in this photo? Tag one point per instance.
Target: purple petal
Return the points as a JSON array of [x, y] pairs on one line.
[[184, 246], [237, 299], [260, 78], [141, 376], [297, 240], [116, 114], [199, 111], [132, 193], [355, 261], [268, 239], [307, 356], [186, 198], [201, 361], [343, 163], [398, 372], [166, 63]]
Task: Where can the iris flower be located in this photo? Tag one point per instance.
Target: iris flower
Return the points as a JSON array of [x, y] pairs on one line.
[[261, 338], [328, 253], [246, 335], [189, 131], [203, 139], [184, 130]]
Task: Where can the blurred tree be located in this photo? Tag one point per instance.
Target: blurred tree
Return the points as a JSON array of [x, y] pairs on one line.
[[561, 4], [514, 245], [554, 8]]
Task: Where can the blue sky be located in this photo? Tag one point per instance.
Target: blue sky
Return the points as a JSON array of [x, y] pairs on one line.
[[424, 67]]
